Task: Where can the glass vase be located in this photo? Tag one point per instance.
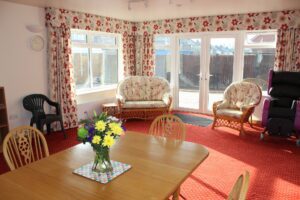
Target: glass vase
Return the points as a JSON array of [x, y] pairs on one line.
[[102, 162]]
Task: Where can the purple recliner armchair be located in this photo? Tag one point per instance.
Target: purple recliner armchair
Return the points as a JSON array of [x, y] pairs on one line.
[[281, 111]]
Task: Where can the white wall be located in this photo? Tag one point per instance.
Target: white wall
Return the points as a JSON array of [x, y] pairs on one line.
[[22, 70], [93, 102]]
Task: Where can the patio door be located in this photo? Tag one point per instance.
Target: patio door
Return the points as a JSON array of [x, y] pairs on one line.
[[220, 69], [205, 67], [188, 73]]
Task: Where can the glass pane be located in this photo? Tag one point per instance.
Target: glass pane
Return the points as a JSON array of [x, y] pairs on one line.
[[260, 38], [189, 73], [104, 40], [257, 63], [79, 37], [220, 68], [80, 61], [104, 66], [163, 63], [162, 41]]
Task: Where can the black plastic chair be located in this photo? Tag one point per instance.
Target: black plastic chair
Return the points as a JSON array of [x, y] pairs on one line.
[[35, 104]]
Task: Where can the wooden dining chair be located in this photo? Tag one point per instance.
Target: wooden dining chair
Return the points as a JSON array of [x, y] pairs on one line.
[[169, 126], [240, 188], [24, 145]]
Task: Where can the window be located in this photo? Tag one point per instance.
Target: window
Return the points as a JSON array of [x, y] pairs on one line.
[[259, 55], [163, 57], [95, 58]]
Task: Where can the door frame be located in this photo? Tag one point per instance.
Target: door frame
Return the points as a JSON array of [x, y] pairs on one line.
[[204, 63]]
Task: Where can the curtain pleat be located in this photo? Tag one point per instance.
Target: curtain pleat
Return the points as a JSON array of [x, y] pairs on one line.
[[145, 59], [129, 50], [61, 77], [288, 50]]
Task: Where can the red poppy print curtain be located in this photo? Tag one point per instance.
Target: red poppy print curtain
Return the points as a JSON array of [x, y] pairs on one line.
[[129, 50], [288, 50], [283, 20], [145, 58], [61, 82], [85, 21]]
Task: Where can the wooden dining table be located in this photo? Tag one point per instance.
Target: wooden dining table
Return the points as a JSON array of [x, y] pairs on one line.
[[159, 167]]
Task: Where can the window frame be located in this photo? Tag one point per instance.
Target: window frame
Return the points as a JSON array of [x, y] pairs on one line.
[[259, 46], [90, 45]]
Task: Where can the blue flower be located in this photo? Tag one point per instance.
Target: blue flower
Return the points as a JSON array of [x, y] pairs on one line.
[[91, 129], [90, 138]]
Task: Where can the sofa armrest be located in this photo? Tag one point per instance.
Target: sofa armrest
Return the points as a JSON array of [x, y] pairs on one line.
[[215, 106], [120, 100], [222, 104], [167, 99]]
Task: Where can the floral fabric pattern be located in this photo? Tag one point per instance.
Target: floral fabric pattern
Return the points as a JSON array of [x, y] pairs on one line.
[[61, 82], [288, 50], [137, 37], [251, 21], [129, 52], [78, 20], [143, 88], [241, 95]]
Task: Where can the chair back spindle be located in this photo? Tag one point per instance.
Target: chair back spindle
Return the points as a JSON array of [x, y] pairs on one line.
[[24, 145], [169, 126]]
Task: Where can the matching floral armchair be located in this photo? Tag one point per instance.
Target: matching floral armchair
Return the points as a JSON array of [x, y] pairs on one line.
[[143, 97], [240, 99]]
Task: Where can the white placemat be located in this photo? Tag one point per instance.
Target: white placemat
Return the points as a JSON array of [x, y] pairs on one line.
[[118, 169]]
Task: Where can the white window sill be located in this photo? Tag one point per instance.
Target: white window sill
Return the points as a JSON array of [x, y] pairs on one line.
[[95, 90]]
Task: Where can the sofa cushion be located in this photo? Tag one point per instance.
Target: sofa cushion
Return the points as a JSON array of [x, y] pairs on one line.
[[241, 94], [144, 104], [143, 88], [132, 89], [157, 87], [230, 113]]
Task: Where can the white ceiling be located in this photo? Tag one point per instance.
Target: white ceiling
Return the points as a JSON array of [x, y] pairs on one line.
[[161, 9]]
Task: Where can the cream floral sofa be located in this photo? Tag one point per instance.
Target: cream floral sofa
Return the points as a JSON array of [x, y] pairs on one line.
[[143, 97]]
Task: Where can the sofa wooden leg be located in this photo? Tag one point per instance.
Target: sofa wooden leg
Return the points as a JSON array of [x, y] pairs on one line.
[[214, 123], [242, 132]]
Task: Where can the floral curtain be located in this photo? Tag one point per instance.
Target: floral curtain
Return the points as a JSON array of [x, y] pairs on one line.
[[288, 50], [137, 37], [249, 21], [145, 58], [85, 21], [61, 82], [283, 20], [129, 50]]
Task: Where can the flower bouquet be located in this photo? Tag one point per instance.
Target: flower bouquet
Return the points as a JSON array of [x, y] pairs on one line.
[[101, 131]]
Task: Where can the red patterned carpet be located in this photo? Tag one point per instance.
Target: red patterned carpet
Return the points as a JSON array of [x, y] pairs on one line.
[[274, 164]]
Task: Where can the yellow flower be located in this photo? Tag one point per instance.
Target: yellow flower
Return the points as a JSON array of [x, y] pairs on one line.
[[116, 128], [109, 132], [100, 125], [108, 141], [96, 139]]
